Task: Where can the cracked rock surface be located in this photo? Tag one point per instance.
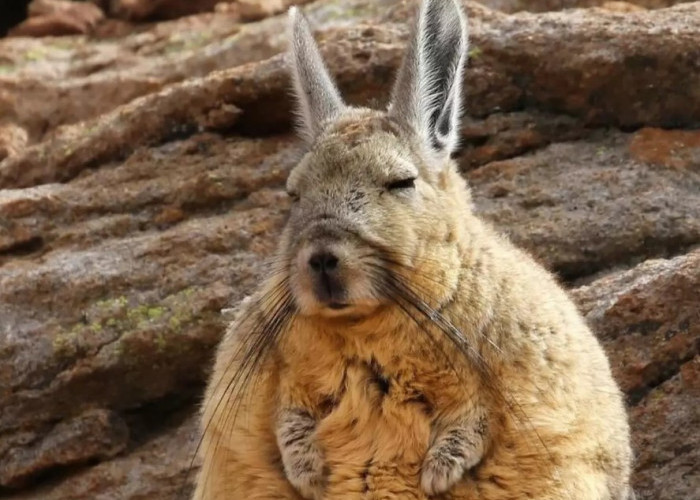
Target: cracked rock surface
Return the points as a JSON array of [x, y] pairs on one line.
[[142, 171]]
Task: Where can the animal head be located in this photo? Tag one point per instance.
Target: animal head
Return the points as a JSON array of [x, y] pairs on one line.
[[376, 195]]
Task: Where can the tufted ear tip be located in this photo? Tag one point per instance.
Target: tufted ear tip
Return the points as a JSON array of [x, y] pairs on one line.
[[294, 17]]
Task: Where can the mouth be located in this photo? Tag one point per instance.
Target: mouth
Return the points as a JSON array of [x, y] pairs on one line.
[[329, 279], [329, 291]]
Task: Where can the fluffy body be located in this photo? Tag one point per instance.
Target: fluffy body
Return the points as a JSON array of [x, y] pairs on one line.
[[456, 367]]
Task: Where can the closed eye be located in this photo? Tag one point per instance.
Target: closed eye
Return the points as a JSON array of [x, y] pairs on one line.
[[293, 195], [401, 184]]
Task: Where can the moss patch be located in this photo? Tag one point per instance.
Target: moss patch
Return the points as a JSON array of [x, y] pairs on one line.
[[118, 319]]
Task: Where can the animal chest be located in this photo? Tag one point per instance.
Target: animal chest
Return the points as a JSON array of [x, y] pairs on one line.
[[376, 407]]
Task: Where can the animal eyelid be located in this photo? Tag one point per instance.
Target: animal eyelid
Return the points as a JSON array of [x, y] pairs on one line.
[[401, 184]]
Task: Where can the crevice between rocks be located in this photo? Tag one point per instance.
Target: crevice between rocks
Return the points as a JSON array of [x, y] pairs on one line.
[[583, 274], [145, 423], [23, 247], [667, 372], [13, 13]]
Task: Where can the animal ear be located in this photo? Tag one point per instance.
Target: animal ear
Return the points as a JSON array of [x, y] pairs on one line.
[[318, 99], [427, 96]]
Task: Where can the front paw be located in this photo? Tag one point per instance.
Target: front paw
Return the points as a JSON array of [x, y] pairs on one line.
[[301, 457], [448, 460], [441, 471], [303, 465]]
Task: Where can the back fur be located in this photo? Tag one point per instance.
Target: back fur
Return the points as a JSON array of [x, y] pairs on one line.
[[401, 348]]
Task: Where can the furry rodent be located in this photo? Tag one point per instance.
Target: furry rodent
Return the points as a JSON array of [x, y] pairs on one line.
[[401, 348]]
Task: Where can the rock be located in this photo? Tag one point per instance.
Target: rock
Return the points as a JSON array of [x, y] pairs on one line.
[[678, 149], [93, 435], [504, 135], [648, 318], [586, 205], [601, 70], [260, 91], [555, 5], [143, 312], [141, 10], [364, 59], [45, 84], [159, 468], [149, 119], [13, 140], [668, 447], [622, 7], [58, 17], [253, 10]]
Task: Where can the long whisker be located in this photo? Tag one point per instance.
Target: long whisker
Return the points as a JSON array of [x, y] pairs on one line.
[[261, 335], [416, 287], [401, 291], [253, 353], [264, 337]]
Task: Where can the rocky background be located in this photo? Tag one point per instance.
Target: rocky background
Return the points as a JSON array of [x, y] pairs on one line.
[[143, 151]]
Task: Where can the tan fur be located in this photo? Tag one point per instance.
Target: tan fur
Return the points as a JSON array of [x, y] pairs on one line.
[[558, 426], [536, 376]]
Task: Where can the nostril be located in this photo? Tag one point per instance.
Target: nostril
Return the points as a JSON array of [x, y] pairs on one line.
[[316, 262], [323, 262], [330, 262]]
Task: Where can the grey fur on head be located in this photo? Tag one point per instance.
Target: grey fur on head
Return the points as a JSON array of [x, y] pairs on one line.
[[318, 99]]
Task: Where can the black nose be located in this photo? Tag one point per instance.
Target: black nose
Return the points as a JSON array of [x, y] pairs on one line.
[[323, 262]]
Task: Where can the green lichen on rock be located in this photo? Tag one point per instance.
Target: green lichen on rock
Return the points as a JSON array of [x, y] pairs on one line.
[[117, 319], [35, 54], [186, 42]]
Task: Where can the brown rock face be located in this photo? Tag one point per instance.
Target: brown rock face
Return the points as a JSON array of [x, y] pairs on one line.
[[58, 17], [649, 320], [586, 205], [141, 10], [679, 149], [95, 434], [142, 187]]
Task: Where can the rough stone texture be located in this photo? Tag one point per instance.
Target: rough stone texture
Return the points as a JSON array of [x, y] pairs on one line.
[[648, 317], [140, 10], [58, 17], [608, 69], [142, 188], [649, 320], [158, 469], [254, 10], [504, 135], [583, 206], [13, 140], [47, 83], [677, 149], [664, 426], [95, 434], [550, 5]]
